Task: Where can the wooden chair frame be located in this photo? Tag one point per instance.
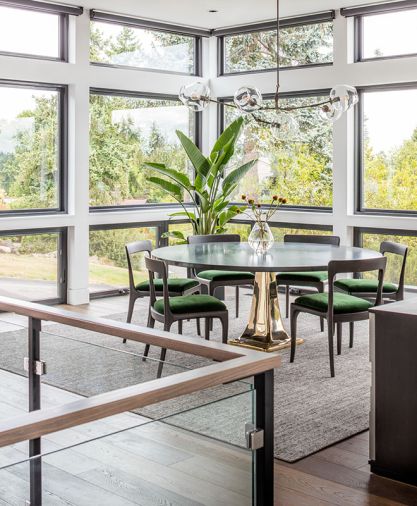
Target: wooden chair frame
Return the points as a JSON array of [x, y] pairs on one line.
[[213, 285], [337, 267], [320, 286], [155, 266]]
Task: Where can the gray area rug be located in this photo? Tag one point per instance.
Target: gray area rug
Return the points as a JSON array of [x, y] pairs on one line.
[[312, 410]]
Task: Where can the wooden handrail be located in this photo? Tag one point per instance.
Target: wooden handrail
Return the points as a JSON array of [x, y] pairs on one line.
[[235, 363]]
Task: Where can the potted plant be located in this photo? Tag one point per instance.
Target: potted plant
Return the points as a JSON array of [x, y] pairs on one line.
[[212, 189]]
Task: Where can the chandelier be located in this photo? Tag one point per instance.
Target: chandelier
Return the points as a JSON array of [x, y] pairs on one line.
[[248, 100]]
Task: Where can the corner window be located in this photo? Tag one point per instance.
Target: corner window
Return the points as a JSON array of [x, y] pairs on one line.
[[387, 149], [126, 131], [32, 147]]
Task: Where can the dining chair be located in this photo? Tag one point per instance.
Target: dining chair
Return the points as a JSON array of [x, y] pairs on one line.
[[176, 286], [314, 279], [169, 310], [337, 307], [367, 288], [213, 278]]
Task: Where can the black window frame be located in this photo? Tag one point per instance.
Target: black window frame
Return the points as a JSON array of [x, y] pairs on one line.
[[198, 124], [325, 17], [62, 259], [62, 186], [62, 11], [358, 152], [195, 33], [359, 13], [270, 96]]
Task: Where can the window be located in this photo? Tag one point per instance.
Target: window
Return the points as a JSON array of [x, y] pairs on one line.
[[32, 265], [125, 132], [108, 264], [32, 147], [372, 238], [279, 231], [308, 44], [387, 143], [115, 44], [299, 168]]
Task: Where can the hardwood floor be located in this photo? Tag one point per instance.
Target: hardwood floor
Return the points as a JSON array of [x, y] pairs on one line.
[[165, 465]]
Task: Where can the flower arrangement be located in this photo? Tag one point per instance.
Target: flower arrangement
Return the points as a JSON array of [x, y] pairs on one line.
[[261, 238]]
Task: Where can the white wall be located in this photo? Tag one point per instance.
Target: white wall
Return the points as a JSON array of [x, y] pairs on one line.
[[79, 75]]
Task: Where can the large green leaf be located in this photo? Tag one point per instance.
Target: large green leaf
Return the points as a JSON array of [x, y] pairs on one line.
[[178, 177], [188, 214], [236, 175], [199, 161], [227, 215], [171, 188], [231, 132]]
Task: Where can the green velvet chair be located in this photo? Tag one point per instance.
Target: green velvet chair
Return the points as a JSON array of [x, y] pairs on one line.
[[367, 288], [338, 308], [169, 310], [176, 286], [214, 279], [314, 279]]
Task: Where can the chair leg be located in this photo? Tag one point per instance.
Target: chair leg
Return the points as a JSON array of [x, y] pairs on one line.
[[161, 362], [321, 324], [237, 301], [151, 324], [132, 301], [198, 326], [294, 316], [351, 333], [225, 328], [339, 338], [207, 328], [330, 331], [211, 292], [287, 300], [179, 326]]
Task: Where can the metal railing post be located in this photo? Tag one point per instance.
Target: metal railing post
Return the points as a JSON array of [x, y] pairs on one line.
[[34, 404], [264, 457]]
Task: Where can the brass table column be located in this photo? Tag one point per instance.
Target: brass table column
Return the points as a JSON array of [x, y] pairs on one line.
[[265, 330]]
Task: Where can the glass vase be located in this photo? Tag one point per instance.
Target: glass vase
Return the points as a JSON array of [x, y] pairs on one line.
[[261, 239]]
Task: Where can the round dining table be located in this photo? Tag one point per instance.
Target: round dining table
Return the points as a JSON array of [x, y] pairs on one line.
[[264, 330]]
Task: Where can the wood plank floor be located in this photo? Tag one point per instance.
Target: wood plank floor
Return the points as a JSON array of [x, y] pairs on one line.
[[165, 465]]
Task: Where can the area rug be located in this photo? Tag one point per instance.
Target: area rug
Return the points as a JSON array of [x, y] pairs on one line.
[[312, 410]]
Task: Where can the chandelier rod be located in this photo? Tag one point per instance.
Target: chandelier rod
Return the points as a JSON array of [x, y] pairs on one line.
[[277, 61]]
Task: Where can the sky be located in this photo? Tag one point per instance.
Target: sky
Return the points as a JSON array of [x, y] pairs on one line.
[[391, 116]]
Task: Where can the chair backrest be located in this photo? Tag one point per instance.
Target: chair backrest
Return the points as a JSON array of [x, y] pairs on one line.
[[131, 249], [158, 267], [202, 239], [401, 250], [346, 266], [333, 240]]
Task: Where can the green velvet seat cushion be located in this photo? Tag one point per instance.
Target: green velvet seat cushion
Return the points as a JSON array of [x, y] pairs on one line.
[[299, 277], [191, 304], [175, 285], [213, 275], [363, 286], [342, 303]]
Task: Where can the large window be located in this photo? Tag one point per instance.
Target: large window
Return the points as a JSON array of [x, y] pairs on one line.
[[115, 44], [108, 264], [388, 149], [32, 265], [31, 33], [32, 147], [387, 35], [125, 132], [309, 44], [298, 167], [372, 238]]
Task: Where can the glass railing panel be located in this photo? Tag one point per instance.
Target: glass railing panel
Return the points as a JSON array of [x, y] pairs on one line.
[[167, 461]]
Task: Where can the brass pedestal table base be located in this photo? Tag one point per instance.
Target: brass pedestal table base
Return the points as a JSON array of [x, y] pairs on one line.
[[264, 331]]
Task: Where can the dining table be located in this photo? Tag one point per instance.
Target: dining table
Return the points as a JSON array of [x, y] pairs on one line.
[[264, 330]]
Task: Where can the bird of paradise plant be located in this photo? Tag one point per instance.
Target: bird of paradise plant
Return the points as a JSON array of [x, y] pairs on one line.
[[212, 189]]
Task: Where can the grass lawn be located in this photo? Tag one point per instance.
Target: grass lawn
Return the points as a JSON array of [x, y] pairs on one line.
[[27, 267], [113, 276]]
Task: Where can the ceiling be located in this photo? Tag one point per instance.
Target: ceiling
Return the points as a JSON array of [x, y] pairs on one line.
[[230, 12]]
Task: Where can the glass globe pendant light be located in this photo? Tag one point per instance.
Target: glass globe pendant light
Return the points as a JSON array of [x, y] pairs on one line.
[[196, 96], [248, 99]]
